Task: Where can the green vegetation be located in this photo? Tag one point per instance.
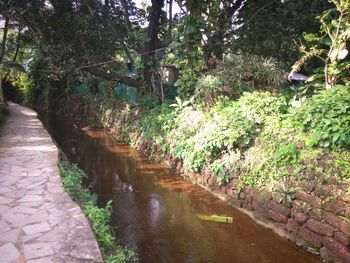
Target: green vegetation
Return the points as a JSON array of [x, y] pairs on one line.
[[231, 112], [327, 117], [258, 138], [2, 105], [72, 180]]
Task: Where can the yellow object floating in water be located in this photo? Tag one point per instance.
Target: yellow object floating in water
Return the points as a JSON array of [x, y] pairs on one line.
[[216, 218]]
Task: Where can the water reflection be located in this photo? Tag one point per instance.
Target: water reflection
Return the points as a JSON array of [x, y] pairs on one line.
[[154, 212]]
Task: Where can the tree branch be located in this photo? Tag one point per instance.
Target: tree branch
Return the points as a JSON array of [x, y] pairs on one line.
[[112, 76]]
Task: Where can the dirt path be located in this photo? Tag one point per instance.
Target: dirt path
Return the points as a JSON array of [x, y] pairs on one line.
[[38, 221]]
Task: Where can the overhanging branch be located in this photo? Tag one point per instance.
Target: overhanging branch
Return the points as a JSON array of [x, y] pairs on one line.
[[112, 76]]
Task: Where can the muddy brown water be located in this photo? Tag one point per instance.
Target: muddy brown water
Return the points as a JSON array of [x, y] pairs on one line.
[[154, 211]]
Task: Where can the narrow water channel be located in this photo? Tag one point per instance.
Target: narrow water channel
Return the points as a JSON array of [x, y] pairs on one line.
[[154, 212]]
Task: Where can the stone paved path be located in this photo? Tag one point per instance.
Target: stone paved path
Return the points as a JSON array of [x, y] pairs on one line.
[[38, 221]]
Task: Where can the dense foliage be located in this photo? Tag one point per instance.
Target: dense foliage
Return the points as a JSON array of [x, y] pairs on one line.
[[237, 74], [235, 114], [274, 28], [327, 117], [252, 138]]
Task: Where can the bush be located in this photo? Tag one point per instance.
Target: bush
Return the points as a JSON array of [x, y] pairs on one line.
[[258, 106], [223, 128], [240, 73], [327, 117]]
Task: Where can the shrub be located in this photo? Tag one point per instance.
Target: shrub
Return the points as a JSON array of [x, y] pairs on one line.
[[223, 128], [287, 154], [257, 106], [240, 73], [327, 117]]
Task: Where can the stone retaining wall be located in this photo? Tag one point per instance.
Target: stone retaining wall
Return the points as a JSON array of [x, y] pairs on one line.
[[316, 217]]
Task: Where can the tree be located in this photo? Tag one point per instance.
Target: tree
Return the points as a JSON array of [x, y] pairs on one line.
[[84, 34], [4, 38], [330, 44], [269, 28]]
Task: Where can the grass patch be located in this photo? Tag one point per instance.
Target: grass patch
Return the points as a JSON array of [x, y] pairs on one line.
[[72, 180]]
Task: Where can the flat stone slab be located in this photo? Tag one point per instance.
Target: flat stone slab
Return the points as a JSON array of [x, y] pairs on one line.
[[38, 220]]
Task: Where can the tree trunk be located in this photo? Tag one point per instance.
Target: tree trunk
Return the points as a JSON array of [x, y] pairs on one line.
[[150, 49], [4, 38]]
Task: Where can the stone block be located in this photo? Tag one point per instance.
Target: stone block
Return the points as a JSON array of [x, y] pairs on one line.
[[292, 225], [301, 206], [241, 195], [320, 227], [277, 217], [9, 253], [316, 214], [311, 237], [337, 222], [307, 198], [327, 256], [323, 190], [258, 206], [336, 207], [300, 218], [342, 238], [261, 216], [309, 186], [249, 207], [279, 208], [337, 248]]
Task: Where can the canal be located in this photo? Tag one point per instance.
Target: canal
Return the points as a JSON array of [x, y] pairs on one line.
[[154, 211]]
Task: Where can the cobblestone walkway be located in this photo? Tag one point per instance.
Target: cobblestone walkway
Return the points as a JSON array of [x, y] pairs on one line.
[[38, 221]]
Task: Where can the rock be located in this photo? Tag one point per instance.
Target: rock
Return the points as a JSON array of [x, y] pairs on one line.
[[323, 190], [292, 225], [337, 222], [277, 217], [307, 198], [309, 186], [9, 253], [279, 208], [336, 206], [314, 239], [259, 215], [316, 214], [342, 238], [319, 227], [326, 255], [249, 207], [337, 248], [248, 197], [241, 195], [258, 206], [300, 218], [301, 206]]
